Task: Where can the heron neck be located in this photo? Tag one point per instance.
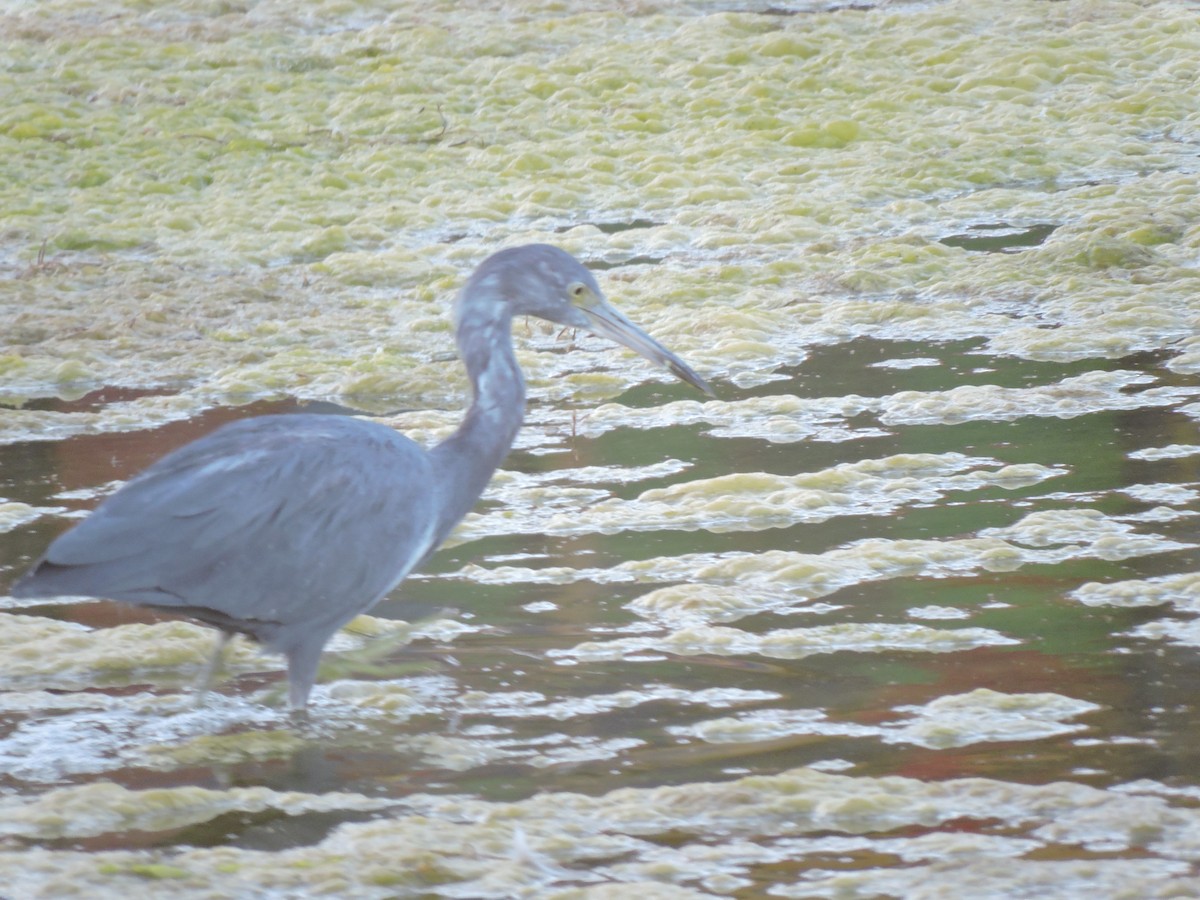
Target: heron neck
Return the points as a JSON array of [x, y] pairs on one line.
[[465, 462]]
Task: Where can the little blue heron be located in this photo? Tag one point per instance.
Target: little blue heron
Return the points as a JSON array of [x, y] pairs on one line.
[[284, 528]]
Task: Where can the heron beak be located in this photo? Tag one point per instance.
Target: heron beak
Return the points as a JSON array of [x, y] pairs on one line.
[[606, 321]]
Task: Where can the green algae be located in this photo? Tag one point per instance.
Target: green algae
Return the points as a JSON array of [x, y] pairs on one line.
[[326, 148], [950, 721], [636, 836], [792, 643], [104, 808], [225, 749], [154, 871]]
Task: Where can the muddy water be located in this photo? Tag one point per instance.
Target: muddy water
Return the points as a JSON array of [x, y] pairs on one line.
[[907, 610]]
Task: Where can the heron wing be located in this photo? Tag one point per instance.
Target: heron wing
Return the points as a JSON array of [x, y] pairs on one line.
[[264, 523]]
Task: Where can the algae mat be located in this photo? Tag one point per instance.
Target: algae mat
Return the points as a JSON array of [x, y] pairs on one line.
[[908, 610]]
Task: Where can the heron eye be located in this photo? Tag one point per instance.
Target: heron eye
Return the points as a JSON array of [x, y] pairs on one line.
[[577, 290]]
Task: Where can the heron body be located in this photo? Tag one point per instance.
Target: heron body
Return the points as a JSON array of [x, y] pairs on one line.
[[284, 528]]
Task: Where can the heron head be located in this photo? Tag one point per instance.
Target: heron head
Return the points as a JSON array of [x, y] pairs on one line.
[[547, 282]]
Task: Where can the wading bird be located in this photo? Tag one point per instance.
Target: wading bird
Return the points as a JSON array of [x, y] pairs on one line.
[[284, 528]]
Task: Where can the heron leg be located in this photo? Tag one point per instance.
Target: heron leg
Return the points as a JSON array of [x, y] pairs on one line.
[[212, 667], [302, 671]]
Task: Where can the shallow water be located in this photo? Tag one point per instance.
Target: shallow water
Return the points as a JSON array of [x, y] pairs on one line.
[[907, 610], [1002, 599]]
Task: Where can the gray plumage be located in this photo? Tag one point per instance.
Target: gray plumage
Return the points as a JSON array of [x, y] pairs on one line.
[[284, 528]]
